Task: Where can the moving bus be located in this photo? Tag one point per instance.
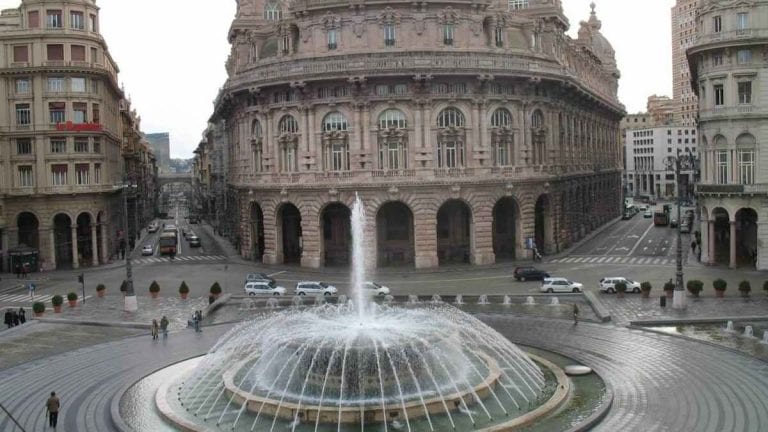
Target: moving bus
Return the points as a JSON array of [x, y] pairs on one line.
[[660, 218], [169, 241]]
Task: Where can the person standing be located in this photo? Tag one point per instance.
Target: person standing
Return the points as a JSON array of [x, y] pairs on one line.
[[575, 314], [25, 270], [155, 328], [52, 406], [15, 318], [17, 270], [22, 315], [164, 326], [8, 318]]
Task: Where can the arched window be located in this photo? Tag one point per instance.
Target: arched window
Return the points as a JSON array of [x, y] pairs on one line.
[[272, 11], [334, 121], [288, 124], [537, 120], [450, 117], [392, 119], [256, 129], [501, 118]]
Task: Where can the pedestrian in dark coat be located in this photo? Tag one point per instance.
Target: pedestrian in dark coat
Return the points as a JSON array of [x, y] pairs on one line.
[[22, 315], [17, 270], [8, 318], [15, 318]]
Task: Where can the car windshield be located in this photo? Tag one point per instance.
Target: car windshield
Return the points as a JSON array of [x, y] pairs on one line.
[[323, 284], [373, 285]]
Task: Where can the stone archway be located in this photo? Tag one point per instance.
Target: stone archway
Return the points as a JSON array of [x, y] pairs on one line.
[[62, 241], [722, 233], [257, 232], [454, 220], [84, 239], [746, 237], [337, 235], [289, 228], [506, 217], [543, 224], [394, 235], [29, 230]]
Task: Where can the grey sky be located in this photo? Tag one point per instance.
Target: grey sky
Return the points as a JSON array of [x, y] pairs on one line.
[[171, 55]]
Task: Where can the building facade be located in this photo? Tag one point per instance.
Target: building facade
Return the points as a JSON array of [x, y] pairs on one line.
[[683, 37], [471, 130], [61, 133], [729, 71], [161, 147]]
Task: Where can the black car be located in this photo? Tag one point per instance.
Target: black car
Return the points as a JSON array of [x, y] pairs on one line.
[[529, 273], [255, 277]]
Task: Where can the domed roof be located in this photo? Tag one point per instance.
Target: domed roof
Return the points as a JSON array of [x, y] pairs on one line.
[[590, 34]]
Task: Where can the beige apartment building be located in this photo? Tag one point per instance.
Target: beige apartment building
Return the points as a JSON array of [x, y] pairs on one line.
[[61, 134], [683, 37], [471, 130], [729, 72]]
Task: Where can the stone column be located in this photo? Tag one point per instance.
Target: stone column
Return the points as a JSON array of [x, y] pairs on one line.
[[711, 243], [310, 232], [481, 252], [425, 239], [104, 253], [75, 260], [733, 245], [271, 236], [94, 246], [418, 133], [52, 252], [364, 128]]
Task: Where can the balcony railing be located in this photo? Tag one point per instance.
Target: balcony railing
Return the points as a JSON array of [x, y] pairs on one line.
[[734, 35], [726, 111]]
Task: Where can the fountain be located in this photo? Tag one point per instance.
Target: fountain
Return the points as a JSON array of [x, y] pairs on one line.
[[297, 301], [507, 300], [389, 298], [343, 299], [361, 366], [272, 303], [729, 327], [248, 304], [529, 301], [765, 338], [319, 300], [483, 300], [459, 299], [555, 302], [748, 332]]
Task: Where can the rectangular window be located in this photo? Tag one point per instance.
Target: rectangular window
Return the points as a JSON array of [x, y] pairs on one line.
[[55, 52], [23, 146], [23, 86], [56, 84], [389, 34], [94, 55], [393, 155], [742, 21], [332, 39], [499, 36], [717, 24], [33, 19], [448, 32], [747, 167], [26, 179], [719, 92], [59, 174], [96, 145], [78, 53], [76, 20], [82, 174], [96, 173], [20, 54], [96, 113], [94, 23], [338, 159], [745, 92], [289, 158], [94, 86], [78, 85], [53, 18], [518, 4], [744, 56], [286, 42], [58, 145], [717, 58], [81, 112], [721, 160], [23, 115], [56, 111], [81, 144]]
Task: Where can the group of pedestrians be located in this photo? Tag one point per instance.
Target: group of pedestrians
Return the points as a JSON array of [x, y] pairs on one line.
[[14, 317], [158, 327], [22, 271]]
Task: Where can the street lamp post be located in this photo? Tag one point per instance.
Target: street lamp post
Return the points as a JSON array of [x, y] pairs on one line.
[[677, 163], [131, 303]]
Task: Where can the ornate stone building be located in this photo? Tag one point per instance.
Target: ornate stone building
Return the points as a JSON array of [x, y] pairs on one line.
[[729, 70], [468, 128]]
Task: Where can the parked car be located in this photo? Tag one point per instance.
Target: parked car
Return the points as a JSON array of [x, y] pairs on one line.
[[317, 288], [194, 219], [648, 213], [194, 241], [374, 288], [673, 223], [261, 288], [608, 284], [258, 277], [153, 228], [627, 214], [524, 273], [685, 228], [147, 249], [558, 284]]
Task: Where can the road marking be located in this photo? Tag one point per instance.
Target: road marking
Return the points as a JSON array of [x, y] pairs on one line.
[[277, 273]]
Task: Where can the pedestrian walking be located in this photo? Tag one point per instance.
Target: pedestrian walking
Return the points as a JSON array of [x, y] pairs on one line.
[[31, 287], [17, 270], [25, 270], [575, 314], [22, 315], [52, 407], [155, 328], [198, 321], [8, 318], [164, 326], [15, 318]]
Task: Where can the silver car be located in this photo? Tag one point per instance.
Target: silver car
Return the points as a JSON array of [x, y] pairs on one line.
[[315, 288], [608, 284], [550, 285], [263, 288]]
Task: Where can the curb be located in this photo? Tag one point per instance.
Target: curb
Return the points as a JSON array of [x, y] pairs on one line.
[[601, 311], [135, 325], [687, 321]]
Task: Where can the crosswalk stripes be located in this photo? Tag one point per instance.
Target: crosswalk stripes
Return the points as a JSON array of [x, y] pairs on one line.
[[181, 258], [662, 261], [25, 298]]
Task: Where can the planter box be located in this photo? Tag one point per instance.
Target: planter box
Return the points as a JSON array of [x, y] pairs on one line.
[[57, 309], [670, 293], [154, 294], [719, 293], [38, 315], [72, 303], [184, 295], [101, 293]]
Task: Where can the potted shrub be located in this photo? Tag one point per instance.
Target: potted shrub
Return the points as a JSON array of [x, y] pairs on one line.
[[694, 287], [101, 290], [215, 290], [669, 289], [38, 308], [744, 288], [720, 285], [57, 300], [72, 299], [154, 289], [645, 289], [124, 287], [183, 290], [621, 288]]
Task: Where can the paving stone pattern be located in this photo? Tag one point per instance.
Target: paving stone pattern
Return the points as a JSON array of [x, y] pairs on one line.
[[632, 308]]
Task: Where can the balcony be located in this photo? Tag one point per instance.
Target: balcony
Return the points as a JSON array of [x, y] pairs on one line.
[[723, 112], [729, 36]]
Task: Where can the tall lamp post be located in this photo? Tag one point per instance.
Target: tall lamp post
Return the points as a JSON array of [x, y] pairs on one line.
[[131, 303], [678, 163]]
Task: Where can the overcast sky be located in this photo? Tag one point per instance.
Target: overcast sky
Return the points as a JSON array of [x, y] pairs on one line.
[[171, 55]]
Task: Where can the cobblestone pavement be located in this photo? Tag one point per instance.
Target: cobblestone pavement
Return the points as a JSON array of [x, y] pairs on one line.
[[632, 308]]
